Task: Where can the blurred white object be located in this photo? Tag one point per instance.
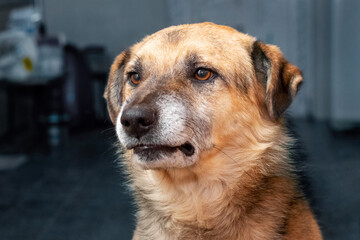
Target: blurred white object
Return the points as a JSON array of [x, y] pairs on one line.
[[18, 56], [26, 19], [25, 55]]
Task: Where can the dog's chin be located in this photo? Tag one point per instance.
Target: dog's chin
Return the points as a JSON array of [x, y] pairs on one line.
[[155, 157]]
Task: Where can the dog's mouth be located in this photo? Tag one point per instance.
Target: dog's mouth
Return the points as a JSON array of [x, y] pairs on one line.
[[186, 148]]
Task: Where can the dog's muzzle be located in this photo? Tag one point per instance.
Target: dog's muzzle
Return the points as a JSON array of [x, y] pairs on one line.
[[157, 132], [137, 121]]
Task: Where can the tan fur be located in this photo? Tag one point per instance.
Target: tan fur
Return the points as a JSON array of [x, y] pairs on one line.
[[244, 185]]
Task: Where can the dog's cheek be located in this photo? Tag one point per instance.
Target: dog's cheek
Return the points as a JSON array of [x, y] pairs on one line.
[[201, 120], [202, 117], [126, 92], [230, 114]]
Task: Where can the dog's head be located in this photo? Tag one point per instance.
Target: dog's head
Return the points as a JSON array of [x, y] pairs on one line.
[[186, 90]]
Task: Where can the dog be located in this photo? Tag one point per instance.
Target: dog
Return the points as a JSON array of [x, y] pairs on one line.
[[198, 110]]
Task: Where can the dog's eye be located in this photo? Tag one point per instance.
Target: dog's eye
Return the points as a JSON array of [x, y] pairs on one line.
[[134, 78], [203, 74]]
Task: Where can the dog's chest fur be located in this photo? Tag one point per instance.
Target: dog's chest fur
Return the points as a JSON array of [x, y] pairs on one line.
[[213, 210]]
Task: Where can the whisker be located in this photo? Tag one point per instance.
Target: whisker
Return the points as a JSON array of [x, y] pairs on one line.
[[227, 155], [107, 130]]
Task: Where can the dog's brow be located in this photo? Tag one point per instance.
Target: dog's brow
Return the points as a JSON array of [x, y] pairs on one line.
[[137, 65], [191, 59]]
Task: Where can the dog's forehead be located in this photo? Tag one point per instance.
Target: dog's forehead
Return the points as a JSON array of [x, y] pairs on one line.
[[209, 41]]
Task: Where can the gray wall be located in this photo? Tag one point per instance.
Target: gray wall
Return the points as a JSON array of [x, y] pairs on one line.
[[115, 24], [320, 107], [345, 63]]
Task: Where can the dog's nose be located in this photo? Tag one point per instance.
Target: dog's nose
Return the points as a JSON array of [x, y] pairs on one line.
[[137, 121]]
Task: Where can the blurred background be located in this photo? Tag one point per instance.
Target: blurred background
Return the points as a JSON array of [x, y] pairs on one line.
[[58, 173]]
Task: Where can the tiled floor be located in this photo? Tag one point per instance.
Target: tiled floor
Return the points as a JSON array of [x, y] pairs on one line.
[[78, 192]]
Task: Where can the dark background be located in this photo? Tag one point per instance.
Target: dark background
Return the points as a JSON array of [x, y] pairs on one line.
[[58, 173]]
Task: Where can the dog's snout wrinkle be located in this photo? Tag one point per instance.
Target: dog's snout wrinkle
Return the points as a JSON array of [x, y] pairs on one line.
[[137, 121]]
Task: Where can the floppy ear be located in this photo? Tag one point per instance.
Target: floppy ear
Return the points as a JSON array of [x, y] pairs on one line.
[[113, 91], [280, 78]]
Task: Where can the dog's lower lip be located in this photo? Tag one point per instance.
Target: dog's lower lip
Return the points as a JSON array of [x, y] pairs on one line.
[[152, 148], [187, 148]]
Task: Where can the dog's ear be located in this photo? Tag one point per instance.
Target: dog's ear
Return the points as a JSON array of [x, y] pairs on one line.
[[280, 78], [113, 91]]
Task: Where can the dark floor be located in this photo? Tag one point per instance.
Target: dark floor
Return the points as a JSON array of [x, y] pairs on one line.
[[333, 164], [77, 191]]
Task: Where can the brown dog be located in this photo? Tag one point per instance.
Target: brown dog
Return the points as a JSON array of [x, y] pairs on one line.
[[198, 109]]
